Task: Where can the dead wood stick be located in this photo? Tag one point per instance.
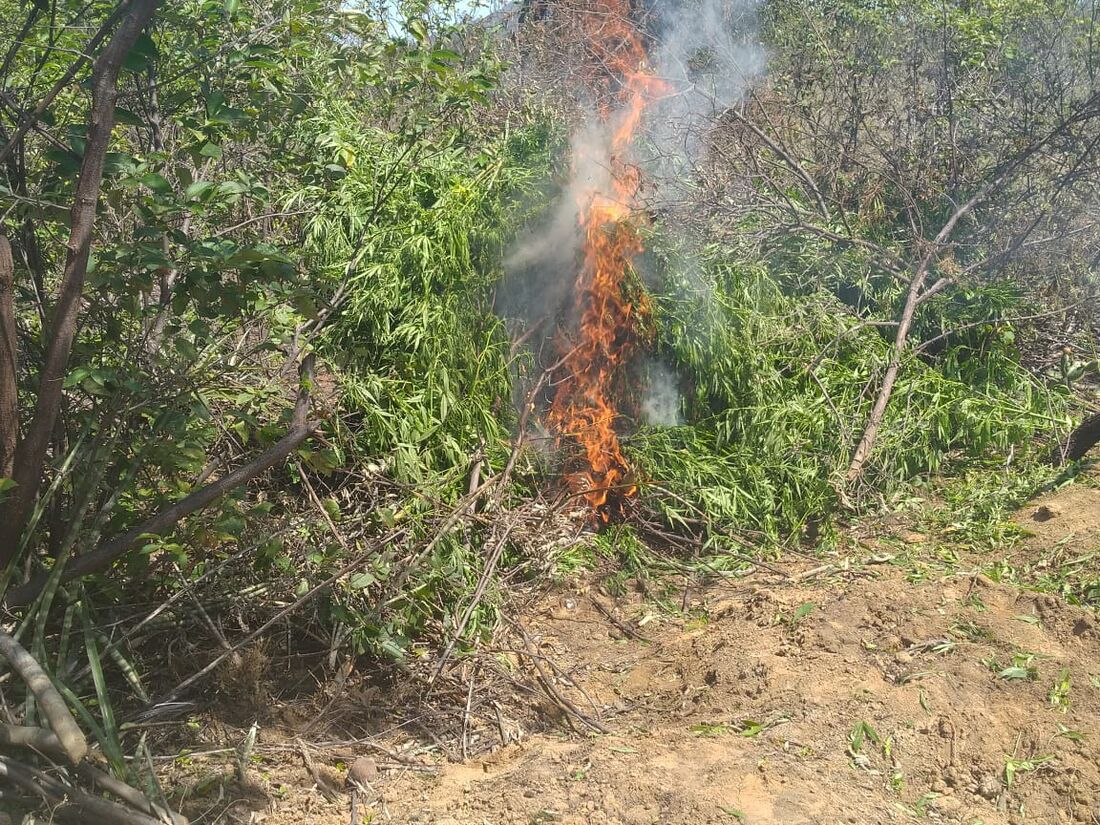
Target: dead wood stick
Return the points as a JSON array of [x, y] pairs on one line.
[[466, 712], [70, 804], [69, 735], [128, 794], [311, 767], [521, 434], [178, 690], [555, 695], [36, 739], [523, 339], [475, 599], [621, 625]]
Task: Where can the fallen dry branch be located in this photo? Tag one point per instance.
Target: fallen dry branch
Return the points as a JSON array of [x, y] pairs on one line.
[[475, 599], [462, 509], [546, 682], [131, 796], [32, 738], [69, 735], [71, 804], [65, 742]]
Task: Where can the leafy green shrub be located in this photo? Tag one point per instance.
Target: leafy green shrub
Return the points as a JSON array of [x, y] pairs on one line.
[[776, 383]]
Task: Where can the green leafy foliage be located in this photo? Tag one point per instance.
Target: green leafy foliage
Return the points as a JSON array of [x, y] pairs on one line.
[[775, 377]]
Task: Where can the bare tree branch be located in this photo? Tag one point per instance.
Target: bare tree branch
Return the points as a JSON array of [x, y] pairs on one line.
[[62, 82], [102, 557], [53, 706]]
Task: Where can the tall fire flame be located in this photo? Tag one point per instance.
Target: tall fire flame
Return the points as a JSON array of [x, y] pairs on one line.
[[584, 403]]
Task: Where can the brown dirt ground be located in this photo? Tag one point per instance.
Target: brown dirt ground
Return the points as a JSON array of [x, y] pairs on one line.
[[743, 708]]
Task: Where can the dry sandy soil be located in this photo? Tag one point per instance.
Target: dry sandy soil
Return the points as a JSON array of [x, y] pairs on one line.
[[858, 692]]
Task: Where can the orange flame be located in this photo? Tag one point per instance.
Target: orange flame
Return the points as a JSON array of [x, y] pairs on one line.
[[584, 407]]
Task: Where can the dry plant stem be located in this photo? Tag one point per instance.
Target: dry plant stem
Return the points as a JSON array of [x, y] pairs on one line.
[[463, 508], [39, 740], [524, 417], [302, 427], [53, 706], [69, 804], [131, 796], [313, 497], [787, 158], [184, 591], [913, 299], [179, 689], [501, 485], [771, 568], [311, 767], [475, 599], [523, 339], [562, 702], [466, 713], [621, 625]]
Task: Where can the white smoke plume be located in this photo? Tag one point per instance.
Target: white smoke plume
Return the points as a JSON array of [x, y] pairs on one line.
[[661, 397], [709, 53]]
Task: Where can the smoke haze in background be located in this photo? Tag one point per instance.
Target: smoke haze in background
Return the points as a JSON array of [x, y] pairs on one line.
[[710, 52], [543, 266]]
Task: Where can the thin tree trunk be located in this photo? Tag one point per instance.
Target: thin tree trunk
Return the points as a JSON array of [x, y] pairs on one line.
[[9, 365], [901, 344], [913, 299], [30, 454]]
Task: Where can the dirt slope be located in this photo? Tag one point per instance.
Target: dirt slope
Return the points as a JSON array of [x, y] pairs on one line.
[[913, 666], [863, 692]]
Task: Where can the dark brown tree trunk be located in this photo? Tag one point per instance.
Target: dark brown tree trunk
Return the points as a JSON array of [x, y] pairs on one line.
[[1080, 441], [30, 457], [9, 387]]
